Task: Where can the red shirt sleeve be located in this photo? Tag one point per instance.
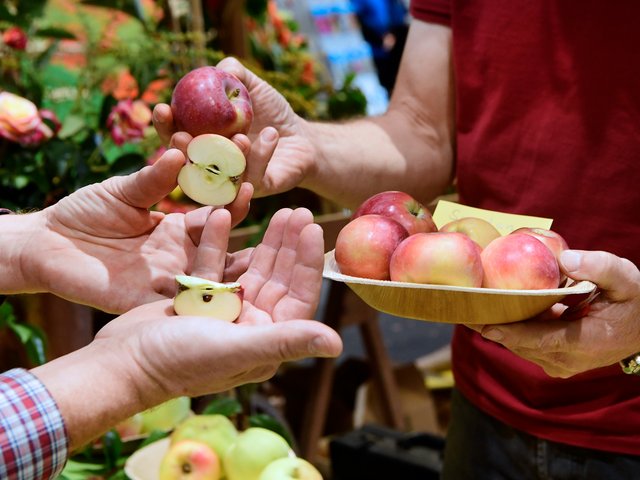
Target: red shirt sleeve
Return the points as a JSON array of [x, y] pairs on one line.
[[433, 11], [33, 438]]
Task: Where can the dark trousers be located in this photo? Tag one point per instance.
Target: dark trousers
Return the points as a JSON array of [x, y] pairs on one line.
[[479, 447]]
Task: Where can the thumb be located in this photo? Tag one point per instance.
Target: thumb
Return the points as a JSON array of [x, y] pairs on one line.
[[151, 184], [616, 276], [294, 340]]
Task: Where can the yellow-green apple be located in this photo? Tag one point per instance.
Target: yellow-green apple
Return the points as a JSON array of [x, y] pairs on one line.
[[167, 415], [204, 298], [215, 430], [401, 207], [212, 174], [364, 246], [290, 468], [440, 258], [519, 261], [190, 460], [130, 427], [253, 450], [478, 229], [210, 100]]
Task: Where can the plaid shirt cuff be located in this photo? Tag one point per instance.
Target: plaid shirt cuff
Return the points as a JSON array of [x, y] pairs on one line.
[[33, 438]]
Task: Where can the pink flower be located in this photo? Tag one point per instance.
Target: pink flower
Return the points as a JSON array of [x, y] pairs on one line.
[[128, 120], [15, 38], [21, 122]]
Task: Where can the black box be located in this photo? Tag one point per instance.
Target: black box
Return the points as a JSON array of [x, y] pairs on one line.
[[379, 453]]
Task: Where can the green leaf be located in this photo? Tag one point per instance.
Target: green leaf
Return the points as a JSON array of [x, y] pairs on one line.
[[226, 406], [72, 125], [112, 448], [154, 436], [55, 32]]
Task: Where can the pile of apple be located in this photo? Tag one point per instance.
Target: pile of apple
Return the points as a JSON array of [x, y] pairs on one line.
[[392, 236], [209, 447]]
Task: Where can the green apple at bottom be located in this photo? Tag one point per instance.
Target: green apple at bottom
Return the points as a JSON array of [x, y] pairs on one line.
[[290, 468], [253, 450]]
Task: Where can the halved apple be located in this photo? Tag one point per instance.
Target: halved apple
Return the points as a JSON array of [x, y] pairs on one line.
[[213, 172], [204, 298]]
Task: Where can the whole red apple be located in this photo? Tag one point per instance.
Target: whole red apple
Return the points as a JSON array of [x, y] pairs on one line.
[[553, 240], [210, 100], [477, 229], [401, 207], [519, 261], [364, 246], [441, 258]]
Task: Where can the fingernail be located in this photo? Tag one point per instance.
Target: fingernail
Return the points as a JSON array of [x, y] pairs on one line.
[[269, 135], [493, 334], [156, 118], [318, 347], [571, 260]]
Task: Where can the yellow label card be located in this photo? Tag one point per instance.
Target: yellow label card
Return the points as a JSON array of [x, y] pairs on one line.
[[446, 212]]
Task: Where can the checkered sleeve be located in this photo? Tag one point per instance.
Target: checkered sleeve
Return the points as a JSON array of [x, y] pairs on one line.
[[33, 438]]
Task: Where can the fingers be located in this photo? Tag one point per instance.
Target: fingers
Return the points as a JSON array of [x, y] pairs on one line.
[[237, 264], [212, 252], [233, 66], [239, 208], [151, 184], [163, 122], [262, 150], [618, 277], [180, 140]]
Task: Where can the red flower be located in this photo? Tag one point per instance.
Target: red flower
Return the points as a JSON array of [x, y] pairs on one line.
[[128, 120], [15, 38]]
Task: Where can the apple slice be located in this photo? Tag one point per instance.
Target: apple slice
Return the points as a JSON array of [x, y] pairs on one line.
[[213, 172], [204, 298]]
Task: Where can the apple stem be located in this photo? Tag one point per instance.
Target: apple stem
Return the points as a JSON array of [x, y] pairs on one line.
[[233, 93]]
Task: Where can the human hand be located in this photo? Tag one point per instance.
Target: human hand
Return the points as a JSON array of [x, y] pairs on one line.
[[564, 342], [279, 156], [150, 355], [103, 247]]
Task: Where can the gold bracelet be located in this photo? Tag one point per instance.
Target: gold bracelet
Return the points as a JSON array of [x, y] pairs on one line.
[[631, 365]]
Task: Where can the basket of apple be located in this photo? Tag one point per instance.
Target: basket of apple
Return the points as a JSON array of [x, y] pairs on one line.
[[209, 447], [399, 261]]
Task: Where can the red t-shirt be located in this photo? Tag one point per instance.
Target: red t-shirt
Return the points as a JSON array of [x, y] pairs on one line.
[[548, 124]]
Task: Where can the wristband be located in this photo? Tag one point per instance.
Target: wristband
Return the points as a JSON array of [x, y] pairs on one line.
[[631, 365]]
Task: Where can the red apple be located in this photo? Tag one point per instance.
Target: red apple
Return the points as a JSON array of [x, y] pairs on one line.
[[519, 261], [190, 459], [401, 207], [210, 100], [477, 229], [441, 258], [553, 240], [365, 244]]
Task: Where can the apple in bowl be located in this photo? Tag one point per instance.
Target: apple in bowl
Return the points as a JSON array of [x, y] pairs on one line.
[[479, 230], [440, 258], [401, 207], [364, 246], [210, 100]]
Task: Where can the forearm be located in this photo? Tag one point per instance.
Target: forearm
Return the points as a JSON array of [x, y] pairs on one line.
[[93, 391], [17, 234], [410, 147]]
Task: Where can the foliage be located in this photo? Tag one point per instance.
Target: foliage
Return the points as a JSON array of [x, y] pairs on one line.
[[30, 336]]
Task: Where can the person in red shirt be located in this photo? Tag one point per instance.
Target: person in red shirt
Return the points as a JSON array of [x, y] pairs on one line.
[[102, 246], [534, 108]]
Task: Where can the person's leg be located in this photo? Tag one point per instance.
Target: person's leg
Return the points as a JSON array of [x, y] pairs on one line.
[[480, 447]]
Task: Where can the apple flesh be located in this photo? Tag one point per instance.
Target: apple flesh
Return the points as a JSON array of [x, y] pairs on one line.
[[210, 100], [190, 460], [364, 246], [519, 261], [477, 229], [253, 450], [439, 258], [212, 174], [203, 298], [215, 430], [290, 468], [401, 207]]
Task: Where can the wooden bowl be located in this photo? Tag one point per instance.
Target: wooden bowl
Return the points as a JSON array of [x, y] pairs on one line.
[[448, 304]]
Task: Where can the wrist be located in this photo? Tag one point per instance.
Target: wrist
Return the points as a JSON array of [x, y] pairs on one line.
[[93, 389]]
